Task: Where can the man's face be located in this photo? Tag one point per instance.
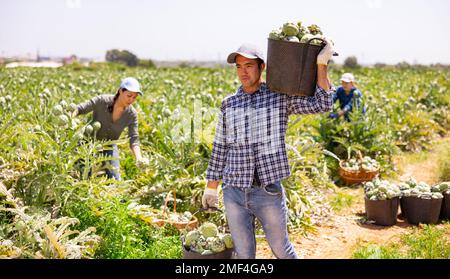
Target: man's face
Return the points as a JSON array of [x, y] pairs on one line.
[[248, 72], [347, 85]]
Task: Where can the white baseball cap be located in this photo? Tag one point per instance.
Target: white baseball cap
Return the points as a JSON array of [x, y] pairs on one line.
[[247, 50], [131, 84], [348, 77]]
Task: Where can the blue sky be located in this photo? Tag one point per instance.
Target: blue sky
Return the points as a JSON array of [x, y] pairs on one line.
[[372, 30]]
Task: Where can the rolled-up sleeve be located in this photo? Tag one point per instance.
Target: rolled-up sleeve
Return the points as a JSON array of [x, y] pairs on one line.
[[219, 149], [356, 98], [133, 133], [322, 101], [335, 97], [88, 106]]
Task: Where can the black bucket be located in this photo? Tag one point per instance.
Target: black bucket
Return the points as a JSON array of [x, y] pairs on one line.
[[445, 209], [227, 254], [425, 211], [383, 212], [292, 67]]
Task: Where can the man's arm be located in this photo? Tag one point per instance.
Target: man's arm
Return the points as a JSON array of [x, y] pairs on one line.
[[219, 150], [213, 184], [216, 163], [322, 101], [323, 80]]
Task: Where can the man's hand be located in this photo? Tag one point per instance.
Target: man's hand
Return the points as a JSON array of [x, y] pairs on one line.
[[210, 198], [326, 53], [333, 115]]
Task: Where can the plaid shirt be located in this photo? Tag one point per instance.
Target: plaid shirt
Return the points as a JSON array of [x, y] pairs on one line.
[[251, 134]]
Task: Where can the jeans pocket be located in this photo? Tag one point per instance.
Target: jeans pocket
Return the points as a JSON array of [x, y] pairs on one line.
[[273, 189]]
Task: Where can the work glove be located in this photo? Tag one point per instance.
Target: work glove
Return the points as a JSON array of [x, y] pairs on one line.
[[326, 53], [210, 198], [333, 116]]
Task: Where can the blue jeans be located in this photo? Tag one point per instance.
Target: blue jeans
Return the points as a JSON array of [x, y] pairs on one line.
[[268, 205], [112, 167]]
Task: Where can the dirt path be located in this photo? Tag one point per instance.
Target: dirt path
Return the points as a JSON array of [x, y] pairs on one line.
[[339, 237]]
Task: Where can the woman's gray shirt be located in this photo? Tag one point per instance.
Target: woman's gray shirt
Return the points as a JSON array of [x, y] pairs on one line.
[[111, 130]]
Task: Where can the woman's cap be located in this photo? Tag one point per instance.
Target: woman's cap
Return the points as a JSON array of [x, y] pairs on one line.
[[348, 77], [131, 84]]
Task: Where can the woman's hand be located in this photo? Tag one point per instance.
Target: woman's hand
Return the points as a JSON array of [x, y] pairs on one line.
[[142, 163], [74, 113]]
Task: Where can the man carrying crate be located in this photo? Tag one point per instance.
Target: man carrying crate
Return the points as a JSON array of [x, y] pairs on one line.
[[249, 152]]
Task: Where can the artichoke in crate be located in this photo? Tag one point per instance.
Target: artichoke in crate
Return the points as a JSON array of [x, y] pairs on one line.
[[420, 190], [406, 193], [381, 190], [314, 29], [368, 186], [198, 245], [404, 186], [191, 237], [411, 182], [302, 33], [425, 196], [208, 230], [444, 187], [437, 196], [187, 216], [276, 34], [228, 241], [292, 39], [216, 244], [306, 38], [290, 29], [302, 30]]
